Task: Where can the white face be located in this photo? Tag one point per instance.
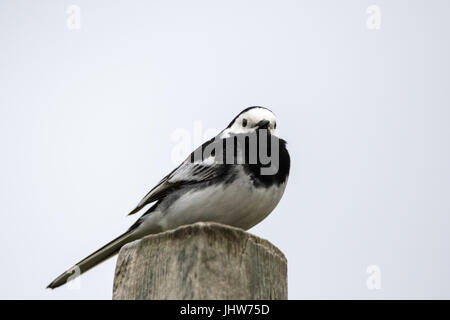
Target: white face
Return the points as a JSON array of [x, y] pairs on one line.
[[251, 120]]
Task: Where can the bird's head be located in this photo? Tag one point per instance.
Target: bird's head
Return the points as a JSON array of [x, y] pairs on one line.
[[252, 119]]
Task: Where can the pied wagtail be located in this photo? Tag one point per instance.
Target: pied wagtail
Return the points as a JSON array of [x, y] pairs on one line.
[[228, 180]]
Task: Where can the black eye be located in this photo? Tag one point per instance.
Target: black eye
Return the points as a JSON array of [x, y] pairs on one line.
[[244, 122], [274, 125]]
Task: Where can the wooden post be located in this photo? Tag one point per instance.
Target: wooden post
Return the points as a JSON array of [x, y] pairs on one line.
[[201, 261]]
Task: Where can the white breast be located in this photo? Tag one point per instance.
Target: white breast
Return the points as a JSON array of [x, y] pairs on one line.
[[238, 204]]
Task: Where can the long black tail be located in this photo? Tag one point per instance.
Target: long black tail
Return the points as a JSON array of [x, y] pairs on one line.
[[94, 259]]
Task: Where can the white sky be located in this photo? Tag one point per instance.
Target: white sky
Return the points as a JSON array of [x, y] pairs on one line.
[[87, 117]]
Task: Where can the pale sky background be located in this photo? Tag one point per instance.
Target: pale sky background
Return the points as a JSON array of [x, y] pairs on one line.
[[87, 117]]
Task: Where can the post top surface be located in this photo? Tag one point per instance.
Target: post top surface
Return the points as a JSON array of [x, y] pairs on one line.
[[208, 229]]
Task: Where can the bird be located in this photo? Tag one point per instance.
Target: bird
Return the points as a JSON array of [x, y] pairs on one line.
[[218, 182]]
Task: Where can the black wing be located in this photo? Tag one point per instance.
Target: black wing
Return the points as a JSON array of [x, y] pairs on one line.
[[193, 170]]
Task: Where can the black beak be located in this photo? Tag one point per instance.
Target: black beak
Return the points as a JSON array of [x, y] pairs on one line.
[[263, 124]]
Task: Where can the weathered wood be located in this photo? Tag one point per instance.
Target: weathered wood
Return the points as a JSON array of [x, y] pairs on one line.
[[201, 261]]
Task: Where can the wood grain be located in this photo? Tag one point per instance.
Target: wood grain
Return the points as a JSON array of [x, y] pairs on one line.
[[201, 261]]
